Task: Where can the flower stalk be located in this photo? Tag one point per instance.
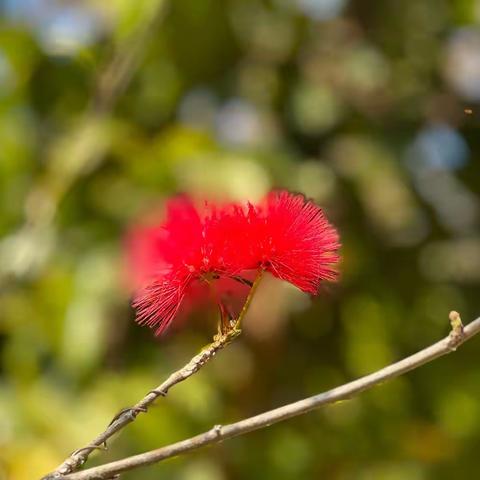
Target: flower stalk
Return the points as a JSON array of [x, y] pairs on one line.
[[222, 338]]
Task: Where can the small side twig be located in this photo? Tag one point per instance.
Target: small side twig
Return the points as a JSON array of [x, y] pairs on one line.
[[86, 144], [128, 415], [458, 335]]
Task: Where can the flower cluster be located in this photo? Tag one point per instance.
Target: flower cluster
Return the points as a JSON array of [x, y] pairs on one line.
[[284, 234]]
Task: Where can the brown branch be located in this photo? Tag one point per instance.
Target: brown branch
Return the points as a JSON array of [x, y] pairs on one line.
[[457, 336], [128, 415]]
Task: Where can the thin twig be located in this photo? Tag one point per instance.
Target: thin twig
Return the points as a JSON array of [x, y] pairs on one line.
[[117, 74], [457, 336], [128, 415], [86, 144]]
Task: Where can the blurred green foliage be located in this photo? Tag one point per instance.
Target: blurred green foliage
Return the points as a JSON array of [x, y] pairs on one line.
[[371, 108]]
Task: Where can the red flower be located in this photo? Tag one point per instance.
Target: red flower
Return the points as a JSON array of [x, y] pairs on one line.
[[293, 240], [192, 244], [285, 235]]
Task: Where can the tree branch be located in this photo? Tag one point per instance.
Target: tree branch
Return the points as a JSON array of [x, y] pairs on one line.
[[128, 415], [457, 336]]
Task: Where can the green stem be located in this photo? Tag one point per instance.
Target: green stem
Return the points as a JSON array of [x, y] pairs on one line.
[[249, 299], [226, 335]]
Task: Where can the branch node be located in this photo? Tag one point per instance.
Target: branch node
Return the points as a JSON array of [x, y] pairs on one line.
[[89, 448], [217, 430], [130, 412], [158, 393], [53, 476]]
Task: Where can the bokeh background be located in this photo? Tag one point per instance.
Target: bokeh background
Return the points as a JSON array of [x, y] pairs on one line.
[[372, 108]]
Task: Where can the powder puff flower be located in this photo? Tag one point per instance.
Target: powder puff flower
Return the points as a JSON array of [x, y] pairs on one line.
[[166, 260], [292, 239], [284, 234]]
